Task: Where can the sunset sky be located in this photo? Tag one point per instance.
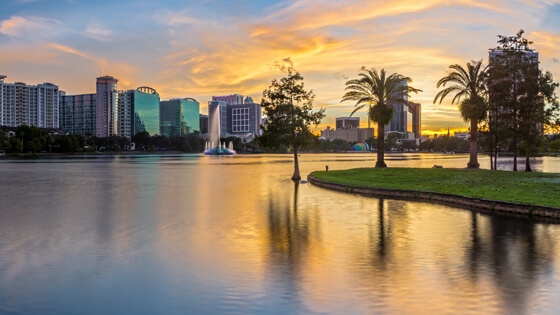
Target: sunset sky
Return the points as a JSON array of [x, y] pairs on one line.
[[202, 48]]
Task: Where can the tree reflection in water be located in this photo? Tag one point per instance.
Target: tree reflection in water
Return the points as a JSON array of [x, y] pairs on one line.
[[497, 257], [288, 241]]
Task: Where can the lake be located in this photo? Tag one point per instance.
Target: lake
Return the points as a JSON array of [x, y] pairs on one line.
[[192, 234]]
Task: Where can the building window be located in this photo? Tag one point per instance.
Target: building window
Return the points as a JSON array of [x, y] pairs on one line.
[[240, 120]]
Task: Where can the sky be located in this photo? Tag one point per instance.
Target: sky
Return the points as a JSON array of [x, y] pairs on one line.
[[199, 49]]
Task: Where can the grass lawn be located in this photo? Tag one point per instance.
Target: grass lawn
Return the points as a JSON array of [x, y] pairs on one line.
[[541, 189]]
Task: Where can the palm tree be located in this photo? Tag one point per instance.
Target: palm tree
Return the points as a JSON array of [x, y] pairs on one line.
[[379, 92], [469, 85]]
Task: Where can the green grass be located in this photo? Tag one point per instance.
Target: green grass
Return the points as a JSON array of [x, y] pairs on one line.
[[541, 189]]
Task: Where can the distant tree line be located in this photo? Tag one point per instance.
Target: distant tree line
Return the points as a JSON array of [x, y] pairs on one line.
[[191, 143], [445, 144], [33, 140]]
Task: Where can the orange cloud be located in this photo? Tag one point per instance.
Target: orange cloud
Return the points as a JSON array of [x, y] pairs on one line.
[[18, 26], [327, 41], [69, 50]]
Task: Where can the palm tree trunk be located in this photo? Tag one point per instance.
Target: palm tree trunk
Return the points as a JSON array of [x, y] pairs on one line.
[[296, 176], [380, 146], [368, 118], [473, 150]]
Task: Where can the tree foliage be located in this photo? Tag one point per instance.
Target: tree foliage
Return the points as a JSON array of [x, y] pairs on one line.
[[522, 97], [469, 89], [32, 140], [289, 115], [445, 144], [379, 92]]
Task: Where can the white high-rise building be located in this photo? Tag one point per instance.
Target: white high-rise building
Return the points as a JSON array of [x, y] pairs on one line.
[[32, 105], [106, 107], [2, 77], [500, 55]]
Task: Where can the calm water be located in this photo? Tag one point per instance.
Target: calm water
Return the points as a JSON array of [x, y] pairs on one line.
[[233, 235]]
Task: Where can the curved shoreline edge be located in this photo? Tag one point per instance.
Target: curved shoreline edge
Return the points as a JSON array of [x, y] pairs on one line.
[[468, 202]]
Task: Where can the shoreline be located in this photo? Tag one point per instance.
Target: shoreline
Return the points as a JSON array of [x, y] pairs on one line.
[[444, 198]]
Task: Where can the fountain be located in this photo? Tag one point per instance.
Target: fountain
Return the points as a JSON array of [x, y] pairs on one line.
[[214, 136]]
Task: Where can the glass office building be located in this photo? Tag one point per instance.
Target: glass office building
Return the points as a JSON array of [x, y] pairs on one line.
[[191, 115], [138, 112], [77, 113], [179, 117]]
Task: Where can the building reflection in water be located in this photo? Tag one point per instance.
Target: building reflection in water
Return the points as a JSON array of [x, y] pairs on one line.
[[487, 259], [213, 236]]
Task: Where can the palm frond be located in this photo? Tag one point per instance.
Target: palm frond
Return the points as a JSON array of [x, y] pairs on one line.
[[378, 90], [466, 83]]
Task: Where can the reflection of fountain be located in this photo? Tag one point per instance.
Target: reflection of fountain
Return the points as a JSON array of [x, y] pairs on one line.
[[213, 144]]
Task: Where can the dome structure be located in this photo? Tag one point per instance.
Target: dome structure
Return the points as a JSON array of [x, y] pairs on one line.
[[360, 147]]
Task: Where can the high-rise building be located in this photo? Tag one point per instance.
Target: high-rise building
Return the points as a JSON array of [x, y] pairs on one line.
[[2, 77], [191, 114], [218, 114], [499, 57], [77, 113], [347, 122], [179, 117], [237, 117], [138, 112], [106, 107], [414, 122], [233, 99], [32, 105], [244, 119], [203, 124], [399, 121]]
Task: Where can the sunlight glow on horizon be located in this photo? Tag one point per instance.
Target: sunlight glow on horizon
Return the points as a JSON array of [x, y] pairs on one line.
[[203, 50]]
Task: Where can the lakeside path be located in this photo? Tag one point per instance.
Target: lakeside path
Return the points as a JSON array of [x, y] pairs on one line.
[[534, 194]]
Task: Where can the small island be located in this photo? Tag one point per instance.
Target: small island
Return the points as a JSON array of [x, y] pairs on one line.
[[534, 194]]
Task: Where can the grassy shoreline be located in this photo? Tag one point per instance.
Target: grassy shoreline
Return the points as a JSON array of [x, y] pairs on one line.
[[541, 189]]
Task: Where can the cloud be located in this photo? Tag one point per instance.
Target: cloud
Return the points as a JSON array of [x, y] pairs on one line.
[[316, 14], [98, 32], [548, 46], [69, 50], [233, 62], [18, 26], [178, 18], [189, 52]]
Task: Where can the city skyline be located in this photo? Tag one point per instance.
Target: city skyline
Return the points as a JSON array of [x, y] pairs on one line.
[[200, 50]]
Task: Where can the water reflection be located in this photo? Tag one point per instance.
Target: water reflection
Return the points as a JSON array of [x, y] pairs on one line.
[[236, 236], [491, 260], [289, 236]]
